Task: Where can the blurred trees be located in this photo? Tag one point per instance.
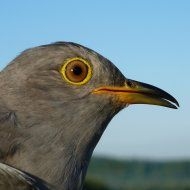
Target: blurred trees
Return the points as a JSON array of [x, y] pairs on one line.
[[108, 174]]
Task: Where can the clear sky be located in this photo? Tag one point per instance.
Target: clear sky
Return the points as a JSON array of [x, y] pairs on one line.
[[149, 41]]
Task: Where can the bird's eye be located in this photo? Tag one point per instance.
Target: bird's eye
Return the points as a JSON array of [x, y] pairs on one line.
[[76, 71]]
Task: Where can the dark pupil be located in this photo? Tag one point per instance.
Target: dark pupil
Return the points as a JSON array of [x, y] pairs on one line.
[[77, 70]]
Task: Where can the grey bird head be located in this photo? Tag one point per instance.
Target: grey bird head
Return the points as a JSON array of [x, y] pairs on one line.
[[55, 102]]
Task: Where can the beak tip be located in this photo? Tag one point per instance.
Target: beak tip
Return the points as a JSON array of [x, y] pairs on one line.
[[176, 106], [177, 103]]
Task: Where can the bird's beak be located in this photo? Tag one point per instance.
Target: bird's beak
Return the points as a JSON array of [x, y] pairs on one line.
[[134, 92]]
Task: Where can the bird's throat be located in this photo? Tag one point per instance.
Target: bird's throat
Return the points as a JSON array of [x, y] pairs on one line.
[[60, 154]]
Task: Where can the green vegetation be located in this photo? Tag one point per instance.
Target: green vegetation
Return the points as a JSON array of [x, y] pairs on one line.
[[108, 174]]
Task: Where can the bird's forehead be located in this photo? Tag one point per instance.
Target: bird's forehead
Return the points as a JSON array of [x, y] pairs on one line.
[[68, 49], [56, 54], [103, 69]]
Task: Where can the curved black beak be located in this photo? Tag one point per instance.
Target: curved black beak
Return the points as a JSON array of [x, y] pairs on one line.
[[134, 92]]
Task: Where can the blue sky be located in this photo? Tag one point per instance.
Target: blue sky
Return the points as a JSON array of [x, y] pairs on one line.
[[149, 41]]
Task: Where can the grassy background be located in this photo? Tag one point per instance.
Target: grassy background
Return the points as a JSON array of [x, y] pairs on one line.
[[110, 174]]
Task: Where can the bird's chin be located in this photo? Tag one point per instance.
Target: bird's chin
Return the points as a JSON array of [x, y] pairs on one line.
[[134, 92]]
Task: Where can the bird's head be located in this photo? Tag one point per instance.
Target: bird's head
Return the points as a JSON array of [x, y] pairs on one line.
[[66, 94], [66, 84], [68, 72]]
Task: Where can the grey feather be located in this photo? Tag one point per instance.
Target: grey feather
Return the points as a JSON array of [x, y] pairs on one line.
[[13, 179]]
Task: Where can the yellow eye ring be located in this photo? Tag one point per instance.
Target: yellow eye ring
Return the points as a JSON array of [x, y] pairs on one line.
[[77, 71]]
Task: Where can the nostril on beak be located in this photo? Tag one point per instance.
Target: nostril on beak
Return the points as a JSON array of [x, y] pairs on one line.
[[130, 84]]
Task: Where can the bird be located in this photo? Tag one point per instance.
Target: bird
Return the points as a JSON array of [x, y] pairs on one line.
[[56, 101]]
